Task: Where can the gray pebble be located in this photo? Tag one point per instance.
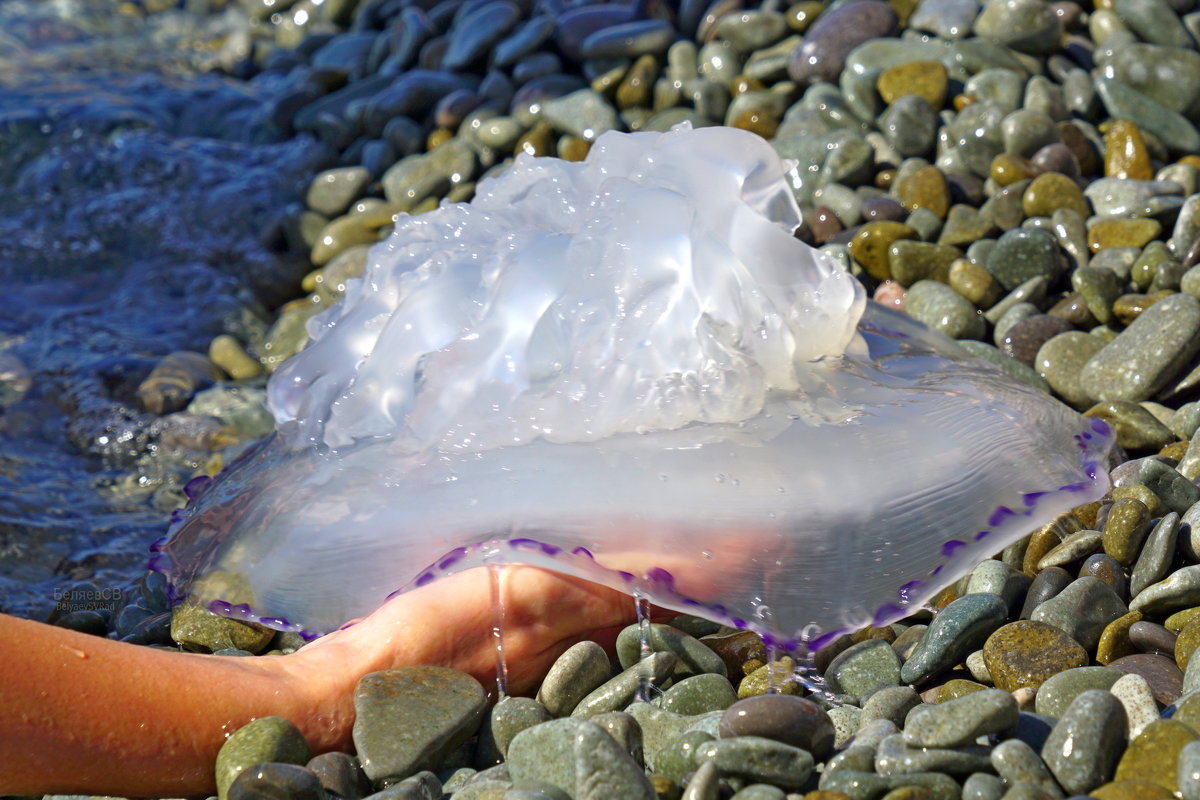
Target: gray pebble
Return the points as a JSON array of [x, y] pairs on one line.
[[960, 721], [408, 719], [1083, 748], [1083, 609], [958, 629], [617, 693], [1056, 694], [575, 674], [756, 759], [864, 667], [579, 758]]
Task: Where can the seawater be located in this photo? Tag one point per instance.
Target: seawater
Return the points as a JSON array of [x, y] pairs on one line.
[[138, 195]]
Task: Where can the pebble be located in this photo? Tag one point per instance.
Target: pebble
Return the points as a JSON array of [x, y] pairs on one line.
[[1016, 762], [1056, 694], [1082, 610], [1061, 359], [332, 191], [1024, 254], [794, 721], [617, 693], [266, 739], [910, 261], [1024, 339], [835, 33], [1187, 642], [1028, 652], [1187, 774], [959, 722], [870, 246], [699, 694], [925, 79], [1161, 673], [863, 667], [408, 719], [892, 703], [1152, 756], [756, 759], [1140, 706], [894, 757], [1179, 590], [957, 630], [1125, 530], [943, 309], [196, 628], [507, 718], [1136, 428], [574, 675], [340, 774], [692, 657], [579, 758], [1052, 191], [1086, 743], [924, 188], [261, 781]]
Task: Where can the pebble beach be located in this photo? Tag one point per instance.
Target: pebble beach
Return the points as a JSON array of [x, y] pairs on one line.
[[1021, 175]]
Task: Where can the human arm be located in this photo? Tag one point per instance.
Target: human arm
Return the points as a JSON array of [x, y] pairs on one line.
[[82, 714]]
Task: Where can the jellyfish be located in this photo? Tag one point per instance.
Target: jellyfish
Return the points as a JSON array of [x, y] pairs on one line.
[[629, 370]]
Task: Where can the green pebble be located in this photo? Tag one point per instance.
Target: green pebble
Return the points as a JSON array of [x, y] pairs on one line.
[[266, 739]]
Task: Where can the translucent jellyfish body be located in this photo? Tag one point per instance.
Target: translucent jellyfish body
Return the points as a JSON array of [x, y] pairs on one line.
[[628, 370]]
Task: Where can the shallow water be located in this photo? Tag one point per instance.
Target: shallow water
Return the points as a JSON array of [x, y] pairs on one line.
[[132, 210]]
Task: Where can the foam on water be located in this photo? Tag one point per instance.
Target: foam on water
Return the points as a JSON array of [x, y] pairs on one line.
[[630, 371]]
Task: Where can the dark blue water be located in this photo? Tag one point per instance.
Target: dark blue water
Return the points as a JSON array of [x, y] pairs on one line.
[[139, 199]]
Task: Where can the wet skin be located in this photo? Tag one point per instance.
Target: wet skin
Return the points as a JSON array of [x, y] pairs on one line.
[[83, 714]]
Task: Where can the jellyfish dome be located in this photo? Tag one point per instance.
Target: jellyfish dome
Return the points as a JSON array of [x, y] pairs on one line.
[[629, 370]]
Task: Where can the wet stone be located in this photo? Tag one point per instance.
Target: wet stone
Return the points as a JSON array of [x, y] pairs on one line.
[[894, 757], [863, 667], [752, 30], [943, 309], [693, 657], [795, 721], [1026, 131], [276, 780], [408, 719], [974, 283], [340, 774], [756, 759], [1085, 745], [1179, 590], [629, 40], [1148, 353], [699, 694], [1152, 756], [960, 722], [1047, 583], [1187, 643], [584, 113], [1107, 233], [1056, 694], [1176, 491], [996, 577], [1028, 652], [1114, 640], [1140, 706], [576, 673], [926, 79], [925, 188], [508, 717], [197, 629], [891, 703], [1082, 610], [1136, 428], [964, 226], [1024, 340], [1052, 191], [1017, 763], [1125, 153], [1108, 570], [870, 245], [1100, 288], [1125, 530], [910, 126], [1161, 673], [579, 758], [1021, 255], [1073, 548], [910, 261], [1152, 638], [617, 693], [955, 632], [266, 739], [1024, 25], [831, 38]]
